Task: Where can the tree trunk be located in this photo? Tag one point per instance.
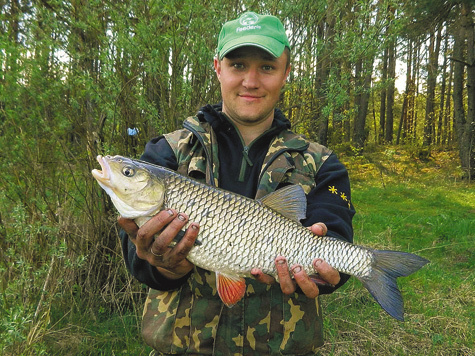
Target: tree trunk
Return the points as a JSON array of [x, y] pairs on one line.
[[403, 116], [408, 132], [390, 94], [382, 110], [364, 69], [448, 118], [358, 130], [432, 65], [415, 78], [324, 68], [459, 112], [465, 125], [440, 123], [404, 127], [469, 129], [318, 124]]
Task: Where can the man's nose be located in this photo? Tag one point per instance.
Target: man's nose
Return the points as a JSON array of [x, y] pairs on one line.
[[251, 78]]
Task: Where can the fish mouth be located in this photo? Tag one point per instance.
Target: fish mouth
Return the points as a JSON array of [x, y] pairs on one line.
[[103, 175]]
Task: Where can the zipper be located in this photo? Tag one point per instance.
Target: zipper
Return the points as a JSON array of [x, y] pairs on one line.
[[246, 161]]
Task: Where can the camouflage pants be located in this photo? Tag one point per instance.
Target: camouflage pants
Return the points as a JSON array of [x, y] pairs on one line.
[[194, 321]]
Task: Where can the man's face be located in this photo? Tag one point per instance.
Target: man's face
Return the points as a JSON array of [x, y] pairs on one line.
[[251, 80]]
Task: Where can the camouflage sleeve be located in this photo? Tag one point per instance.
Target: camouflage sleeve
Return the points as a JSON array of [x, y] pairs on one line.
[[330, 202]]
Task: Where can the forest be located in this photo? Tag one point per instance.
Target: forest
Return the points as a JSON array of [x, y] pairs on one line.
[[84, 78]]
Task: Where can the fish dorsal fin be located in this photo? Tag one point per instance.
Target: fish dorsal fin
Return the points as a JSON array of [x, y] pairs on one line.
[[231, 289], [289, 201]]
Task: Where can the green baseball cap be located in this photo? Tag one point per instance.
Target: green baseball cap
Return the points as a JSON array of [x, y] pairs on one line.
[[251, 29]]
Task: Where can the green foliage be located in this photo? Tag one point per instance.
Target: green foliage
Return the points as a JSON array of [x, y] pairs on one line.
[[74, 76]]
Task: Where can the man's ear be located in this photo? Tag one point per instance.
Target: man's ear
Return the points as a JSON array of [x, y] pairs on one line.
[[217, 67], [287, 71]]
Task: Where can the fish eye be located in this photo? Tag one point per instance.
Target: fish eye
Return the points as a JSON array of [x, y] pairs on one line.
[[128, 171]]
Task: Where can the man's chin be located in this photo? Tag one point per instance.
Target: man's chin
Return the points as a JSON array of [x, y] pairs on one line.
[[251, 120], [249, 114]]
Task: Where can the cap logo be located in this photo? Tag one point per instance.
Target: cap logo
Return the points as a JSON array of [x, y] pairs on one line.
[[248, 22], [248, 19]]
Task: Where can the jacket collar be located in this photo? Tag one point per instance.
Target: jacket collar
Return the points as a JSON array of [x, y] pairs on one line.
[[211, 116], [214, 116]]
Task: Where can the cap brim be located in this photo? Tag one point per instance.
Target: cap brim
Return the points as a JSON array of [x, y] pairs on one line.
[[274, 47]]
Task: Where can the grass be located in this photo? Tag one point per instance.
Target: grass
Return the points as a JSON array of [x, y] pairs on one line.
[[402, 203], [423, 208], [112, 334]]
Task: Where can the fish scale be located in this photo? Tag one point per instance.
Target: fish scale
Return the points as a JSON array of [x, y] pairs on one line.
[[238, 233], [291, 234]]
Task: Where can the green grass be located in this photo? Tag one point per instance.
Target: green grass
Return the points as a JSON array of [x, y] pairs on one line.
[[78, 330], [111, 334], [418, 207], [402, 204]]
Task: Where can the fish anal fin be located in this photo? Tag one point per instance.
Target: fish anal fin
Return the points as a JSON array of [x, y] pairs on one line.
[[289, 201], [231, 289]]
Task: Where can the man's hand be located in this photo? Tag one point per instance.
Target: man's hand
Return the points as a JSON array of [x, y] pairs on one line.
[[288, 284], [153, 238]]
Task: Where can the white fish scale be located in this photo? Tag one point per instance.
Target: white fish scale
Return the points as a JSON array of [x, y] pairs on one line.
[[237, 234], [346, 258]]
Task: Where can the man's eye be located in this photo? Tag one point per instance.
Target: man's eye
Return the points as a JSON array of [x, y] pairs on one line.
[[238, 65], [267, 67]]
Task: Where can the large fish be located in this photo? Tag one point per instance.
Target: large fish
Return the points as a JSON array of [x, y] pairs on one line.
[[238, 233]]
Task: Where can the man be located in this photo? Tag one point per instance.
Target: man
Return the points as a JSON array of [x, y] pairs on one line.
[[243, 145]]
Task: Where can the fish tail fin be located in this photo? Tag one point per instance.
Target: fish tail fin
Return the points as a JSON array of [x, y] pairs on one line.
[[381, 283]]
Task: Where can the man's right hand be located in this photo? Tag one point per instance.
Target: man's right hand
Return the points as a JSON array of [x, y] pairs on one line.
[[153, 238]]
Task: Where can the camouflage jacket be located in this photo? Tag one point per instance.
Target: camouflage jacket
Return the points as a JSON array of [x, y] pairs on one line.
[[192, 319]]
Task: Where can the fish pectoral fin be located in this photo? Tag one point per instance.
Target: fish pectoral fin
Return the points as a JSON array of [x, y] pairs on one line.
[[231, 289], [315, 278], [290, 201]]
